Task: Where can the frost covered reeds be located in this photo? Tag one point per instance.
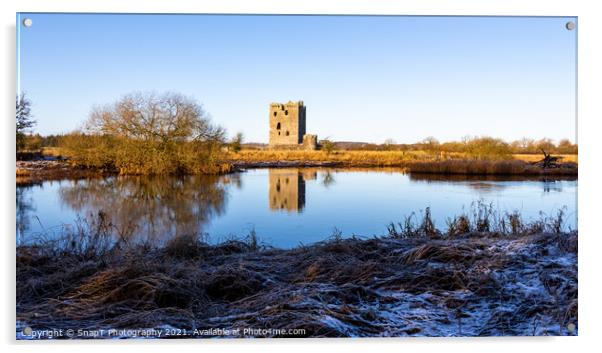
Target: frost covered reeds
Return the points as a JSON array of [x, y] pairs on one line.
[[486, 274]]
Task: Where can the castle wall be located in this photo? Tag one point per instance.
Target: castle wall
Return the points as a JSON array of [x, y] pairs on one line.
[[287, 123], [310, 142]]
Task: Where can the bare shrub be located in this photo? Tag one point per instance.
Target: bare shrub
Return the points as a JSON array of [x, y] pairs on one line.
[[148, 134]]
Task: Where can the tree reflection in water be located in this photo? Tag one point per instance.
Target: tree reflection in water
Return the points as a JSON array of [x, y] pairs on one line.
[[151, 208], [24, 210]]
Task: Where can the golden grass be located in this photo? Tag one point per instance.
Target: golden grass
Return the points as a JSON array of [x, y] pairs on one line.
[[22, 172], [496, 167], [414, 161], [384, 158], [52, 151], [537, 157], [357, 158], [380, 158]]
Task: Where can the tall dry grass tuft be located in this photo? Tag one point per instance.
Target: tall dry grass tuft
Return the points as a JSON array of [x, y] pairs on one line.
[[481, 218]]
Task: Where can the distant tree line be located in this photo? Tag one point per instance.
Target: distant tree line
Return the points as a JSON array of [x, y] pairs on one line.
[[479, 147], [33, 142], [472, 145]]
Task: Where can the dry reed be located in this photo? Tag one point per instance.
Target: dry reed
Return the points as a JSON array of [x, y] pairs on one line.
[[474, 280]]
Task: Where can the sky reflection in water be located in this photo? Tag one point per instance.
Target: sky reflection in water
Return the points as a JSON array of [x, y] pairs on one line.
[[285, 207]]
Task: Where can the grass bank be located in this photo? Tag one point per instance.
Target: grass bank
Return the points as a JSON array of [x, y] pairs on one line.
[[475, 167], [485, 274], [227, 161], [412, 161], [341, 158]]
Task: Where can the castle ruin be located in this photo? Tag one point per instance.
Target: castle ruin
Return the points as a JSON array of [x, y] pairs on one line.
[[287, 127]]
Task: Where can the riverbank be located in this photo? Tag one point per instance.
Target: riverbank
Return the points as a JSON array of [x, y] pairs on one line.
[[410, 161], [35, 171], [470, 284], [53, 168]]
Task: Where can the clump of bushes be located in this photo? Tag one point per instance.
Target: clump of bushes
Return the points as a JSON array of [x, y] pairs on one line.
[[327, 146], [148, 134], [236, 143], [487, 148]]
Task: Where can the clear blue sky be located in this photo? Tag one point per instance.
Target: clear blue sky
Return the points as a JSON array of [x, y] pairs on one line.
[[362, 78]]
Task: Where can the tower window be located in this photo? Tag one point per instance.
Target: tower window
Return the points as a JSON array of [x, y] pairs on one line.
[[275, 113], [278, 126], [287, 133], [286, 112]]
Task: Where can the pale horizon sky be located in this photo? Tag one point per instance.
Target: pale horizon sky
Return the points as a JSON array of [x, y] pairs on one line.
[[362, 78]]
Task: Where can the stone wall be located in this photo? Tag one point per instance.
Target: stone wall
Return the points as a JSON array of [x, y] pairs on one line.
[[310, 142], [287, 123]]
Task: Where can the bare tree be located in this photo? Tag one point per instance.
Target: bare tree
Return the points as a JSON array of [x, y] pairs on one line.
[[430, 144], [24, 119], [169, 117], [327, 145], [236, 143]]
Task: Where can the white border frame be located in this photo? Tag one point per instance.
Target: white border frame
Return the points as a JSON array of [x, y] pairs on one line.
[[589, 88]]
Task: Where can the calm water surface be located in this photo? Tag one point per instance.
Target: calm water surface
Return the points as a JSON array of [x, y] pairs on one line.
[[285, 207]]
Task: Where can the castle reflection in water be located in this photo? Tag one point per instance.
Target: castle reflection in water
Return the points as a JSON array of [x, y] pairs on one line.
[[287, 188]]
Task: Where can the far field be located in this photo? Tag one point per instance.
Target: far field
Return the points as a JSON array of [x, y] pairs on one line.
[[384, 158], [416, 161]]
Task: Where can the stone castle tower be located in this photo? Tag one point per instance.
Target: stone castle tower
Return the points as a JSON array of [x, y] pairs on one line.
[[287, 126]]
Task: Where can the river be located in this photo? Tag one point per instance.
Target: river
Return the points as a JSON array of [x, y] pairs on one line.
[[283, 207]]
